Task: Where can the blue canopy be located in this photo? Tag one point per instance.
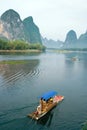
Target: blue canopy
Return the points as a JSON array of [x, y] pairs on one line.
[[48, 95]]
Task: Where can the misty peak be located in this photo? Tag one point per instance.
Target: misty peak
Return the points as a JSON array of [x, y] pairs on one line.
[[28, 19], [71, 37], [10, 15]]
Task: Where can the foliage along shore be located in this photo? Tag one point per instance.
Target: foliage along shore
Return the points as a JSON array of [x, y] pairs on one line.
[[20, 51], [20, 46]]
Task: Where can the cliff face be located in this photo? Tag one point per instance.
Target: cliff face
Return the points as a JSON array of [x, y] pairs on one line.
[[32, 30], [13, 28]]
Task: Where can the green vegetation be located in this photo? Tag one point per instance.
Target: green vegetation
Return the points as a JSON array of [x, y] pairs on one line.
[[19, 45], [14, 62], [84, 127]]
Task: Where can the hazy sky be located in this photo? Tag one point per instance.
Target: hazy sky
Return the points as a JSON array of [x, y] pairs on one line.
[[53, 17]]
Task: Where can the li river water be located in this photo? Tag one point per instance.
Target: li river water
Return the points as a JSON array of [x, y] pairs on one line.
[[25, 77]]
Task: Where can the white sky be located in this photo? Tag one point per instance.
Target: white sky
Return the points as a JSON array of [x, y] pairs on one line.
[[53, 17]]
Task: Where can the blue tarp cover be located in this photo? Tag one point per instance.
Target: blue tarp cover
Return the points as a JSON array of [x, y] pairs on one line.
[[48, 95]]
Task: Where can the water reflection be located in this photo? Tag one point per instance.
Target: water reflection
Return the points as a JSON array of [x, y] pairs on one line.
[[11, 71], [76, 60], [46, 120], [20, 53], [31, 78]]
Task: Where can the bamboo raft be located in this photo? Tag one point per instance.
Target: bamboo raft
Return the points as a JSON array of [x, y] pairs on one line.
[[47, 103]]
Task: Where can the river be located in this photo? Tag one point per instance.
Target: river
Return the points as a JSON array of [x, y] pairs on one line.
[[25, 77]]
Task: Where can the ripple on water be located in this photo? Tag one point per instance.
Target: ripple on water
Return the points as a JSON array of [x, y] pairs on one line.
[[10, 73]]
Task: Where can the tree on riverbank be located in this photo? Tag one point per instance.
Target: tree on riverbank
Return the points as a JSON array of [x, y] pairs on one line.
[[19, 45]]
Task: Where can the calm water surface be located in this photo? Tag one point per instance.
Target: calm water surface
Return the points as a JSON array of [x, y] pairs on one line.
[[23, 78]]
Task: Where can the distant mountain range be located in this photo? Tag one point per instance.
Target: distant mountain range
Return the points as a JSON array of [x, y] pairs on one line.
[[13, 28], [72, 41], [49, 43]]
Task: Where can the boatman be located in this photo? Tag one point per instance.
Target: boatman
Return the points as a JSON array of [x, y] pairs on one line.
[[39, 109]]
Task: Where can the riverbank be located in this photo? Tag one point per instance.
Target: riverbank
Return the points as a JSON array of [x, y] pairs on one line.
[[21, 51], [69, 50]]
